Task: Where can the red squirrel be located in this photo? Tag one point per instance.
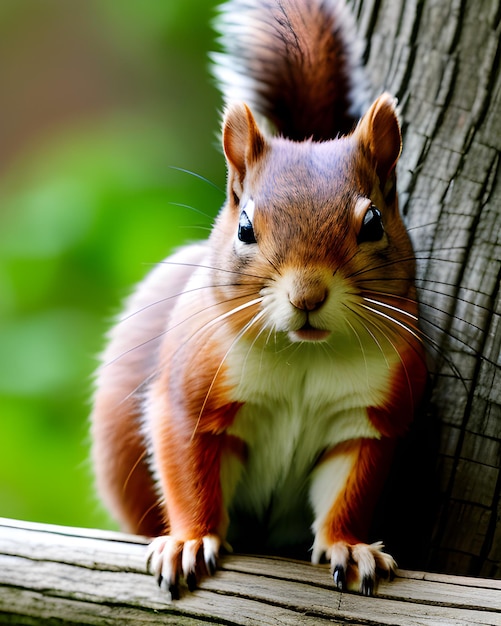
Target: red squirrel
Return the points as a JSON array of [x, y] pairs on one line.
[[268, 371]]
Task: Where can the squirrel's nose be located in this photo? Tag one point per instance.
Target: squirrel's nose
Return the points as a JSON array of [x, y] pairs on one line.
[[308, 299]]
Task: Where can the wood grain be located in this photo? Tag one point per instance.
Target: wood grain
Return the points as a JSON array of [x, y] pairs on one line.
[[55, 575], [442, 60]]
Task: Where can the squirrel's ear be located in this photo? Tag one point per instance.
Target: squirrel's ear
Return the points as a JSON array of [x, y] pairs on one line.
[[379, 130], [243, 142]]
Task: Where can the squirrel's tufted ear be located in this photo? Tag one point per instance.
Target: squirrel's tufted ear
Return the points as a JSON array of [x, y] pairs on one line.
[[243, 142], [379, 131]]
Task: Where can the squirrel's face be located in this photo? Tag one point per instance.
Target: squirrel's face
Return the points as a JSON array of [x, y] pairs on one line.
[[313, 231]]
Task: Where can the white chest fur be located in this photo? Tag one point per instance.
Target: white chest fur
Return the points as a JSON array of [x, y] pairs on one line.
[[300, 399]]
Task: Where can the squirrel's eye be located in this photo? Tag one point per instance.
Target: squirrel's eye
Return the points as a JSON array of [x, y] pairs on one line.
[[372, 226], [245, 229]]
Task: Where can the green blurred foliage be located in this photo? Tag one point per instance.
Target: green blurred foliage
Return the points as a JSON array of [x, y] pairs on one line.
[[99, 102]]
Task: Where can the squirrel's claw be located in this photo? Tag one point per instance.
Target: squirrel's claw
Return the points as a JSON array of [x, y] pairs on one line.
[[171, 560], [357, 567]]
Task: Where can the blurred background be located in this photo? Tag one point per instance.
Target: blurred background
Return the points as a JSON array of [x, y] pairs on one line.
[[99, 103]]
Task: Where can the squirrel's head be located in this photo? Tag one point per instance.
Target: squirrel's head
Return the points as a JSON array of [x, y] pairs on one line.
[[315, 223]]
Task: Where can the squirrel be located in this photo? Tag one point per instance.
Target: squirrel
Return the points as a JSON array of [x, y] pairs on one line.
[[267, 372]]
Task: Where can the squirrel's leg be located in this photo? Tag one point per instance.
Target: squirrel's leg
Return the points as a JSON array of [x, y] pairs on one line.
[[191, 486], [345, 488], [189, 455]]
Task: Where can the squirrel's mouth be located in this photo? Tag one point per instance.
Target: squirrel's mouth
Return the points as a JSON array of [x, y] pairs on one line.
[[307, 332]]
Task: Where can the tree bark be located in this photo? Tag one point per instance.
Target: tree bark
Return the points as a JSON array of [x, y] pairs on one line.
[[441, 59]]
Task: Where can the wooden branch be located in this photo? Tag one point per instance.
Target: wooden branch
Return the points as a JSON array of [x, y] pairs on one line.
[[56, 575]]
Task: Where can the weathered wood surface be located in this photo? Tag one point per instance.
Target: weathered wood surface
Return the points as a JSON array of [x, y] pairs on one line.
[[442, 60], [57, 575]]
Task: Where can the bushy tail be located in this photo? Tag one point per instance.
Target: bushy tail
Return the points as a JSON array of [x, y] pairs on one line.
[[296, 62]]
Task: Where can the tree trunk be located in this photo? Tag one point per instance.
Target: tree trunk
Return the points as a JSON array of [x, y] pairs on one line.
[[441, 59]]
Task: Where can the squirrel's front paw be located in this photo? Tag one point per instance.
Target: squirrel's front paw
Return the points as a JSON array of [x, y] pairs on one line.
[[171, 560], [357, 567]]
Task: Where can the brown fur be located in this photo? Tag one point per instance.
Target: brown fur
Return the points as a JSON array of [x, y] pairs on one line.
[[167, 398], [298, 53]]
